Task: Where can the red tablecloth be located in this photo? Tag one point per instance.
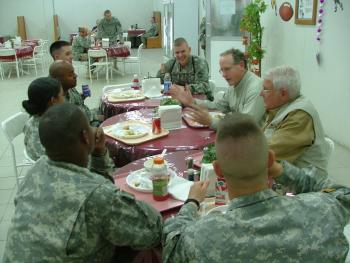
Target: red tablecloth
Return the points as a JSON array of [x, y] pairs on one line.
[[32, 42], [118, 50], [176, 161], [135, 32], [182, 139], [21, 52]]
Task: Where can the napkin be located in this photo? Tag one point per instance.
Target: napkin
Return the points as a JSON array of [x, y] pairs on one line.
[[151, 87], [179, 188]]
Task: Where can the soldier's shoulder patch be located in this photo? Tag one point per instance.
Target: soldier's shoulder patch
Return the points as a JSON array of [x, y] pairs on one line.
[[328, 190]]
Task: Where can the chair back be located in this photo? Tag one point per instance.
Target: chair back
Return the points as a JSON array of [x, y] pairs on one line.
[[128, 44], [125, 36], [12, 127], [330, 149], [5, 52], [139, 50], [97, 53]]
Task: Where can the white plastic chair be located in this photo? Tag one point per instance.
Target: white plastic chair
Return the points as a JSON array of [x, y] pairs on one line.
[[330, 149], [1, 72], [12, 127], [125, 36], [6, 52], [134, 59], [99, 54], [37, 58]]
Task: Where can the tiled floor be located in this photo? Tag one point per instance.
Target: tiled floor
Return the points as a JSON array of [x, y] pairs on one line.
[[13, 91]]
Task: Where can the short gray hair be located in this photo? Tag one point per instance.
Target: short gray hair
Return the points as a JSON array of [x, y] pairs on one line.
[[285, 77], [237, 56]]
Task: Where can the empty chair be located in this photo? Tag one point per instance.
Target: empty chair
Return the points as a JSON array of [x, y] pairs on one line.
[[8, 57], [12, 127], [98, 55], [134, 59]]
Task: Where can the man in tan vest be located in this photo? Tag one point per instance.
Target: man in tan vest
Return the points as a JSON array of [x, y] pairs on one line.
[[293, 128]]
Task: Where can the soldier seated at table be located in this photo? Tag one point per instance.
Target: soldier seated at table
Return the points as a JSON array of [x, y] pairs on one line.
[[260, 225], [81, 45], [66, 213], [187, 70], [64, 72], [152, 32]]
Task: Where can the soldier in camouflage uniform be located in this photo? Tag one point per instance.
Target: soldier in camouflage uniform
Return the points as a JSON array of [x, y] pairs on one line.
[[202, 35], [109, 27], [260, 225], [66, 213], [152, 32], [42, 93], [64, 72], [81, 45], [186, 70]]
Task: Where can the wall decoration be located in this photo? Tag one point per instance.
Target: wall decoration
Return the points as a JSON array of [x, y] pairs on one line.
[[274, 6], [286, 11], [305, 12], [336, 3]]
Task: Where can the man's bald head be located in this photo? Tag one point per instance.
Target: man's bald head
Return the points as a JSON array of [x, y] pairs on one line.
[[241, 149], [64, 72], [60, 129]]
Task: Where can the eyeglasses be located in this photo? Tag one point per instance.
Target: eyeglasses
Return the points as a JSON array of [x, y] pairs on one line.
[[225, 70]]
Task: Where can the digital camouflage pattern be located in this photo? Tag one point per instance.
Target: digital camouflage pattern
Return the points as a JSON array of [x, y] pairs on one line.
[[152, 32], [80, 47], [195, 73], [32, 143], [111, 29], [74, 97], [267, 227], [66, 213]]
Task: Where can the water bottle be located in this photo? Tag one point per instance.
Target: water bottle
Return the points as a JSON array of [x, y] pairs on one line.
[[167, 83], [160, 179], [135, 83]]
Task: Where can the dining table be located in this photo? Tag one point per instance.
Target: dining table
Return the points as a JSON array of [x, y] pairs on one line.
[[182, 139], [134, 36], [21, 52]]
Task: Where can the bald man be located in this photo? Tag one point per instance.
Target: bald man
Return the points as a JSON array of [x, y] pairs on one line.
[[66, 213], [259, 225], [64, 72]]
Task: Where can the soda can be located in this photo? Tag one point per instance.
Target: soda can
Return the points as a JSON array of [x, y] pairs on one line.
[[156, 125], [86, 90], [221, 194]]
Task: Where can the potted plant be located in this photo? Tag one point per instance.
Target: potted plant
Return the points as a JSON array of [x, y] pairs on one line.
[[250, 25]]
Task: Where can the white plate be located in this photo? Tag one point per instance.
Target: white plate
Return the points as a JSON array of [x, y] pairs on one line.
[[127, 94], [134, 131], [219, 209], [149, 163], [140, 180]]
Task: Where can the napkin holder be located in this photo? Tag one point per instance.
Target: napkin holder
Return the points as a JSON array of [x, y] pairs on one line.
[[151, 87], [105, 42], [170, 116], [208, 173]]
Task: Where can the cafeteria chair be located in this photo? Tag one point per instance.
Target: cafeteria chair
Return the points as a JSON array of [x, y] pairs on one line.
[[125, 36], [330, 144], [100, 56], [13, 127], [1, 72], [5, 53], [134, 59]]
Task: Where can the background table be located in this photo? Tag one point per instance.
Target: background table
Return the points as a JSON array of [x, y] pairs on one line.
[[118, 50], [133, 35], [182, 139], [21, 52]]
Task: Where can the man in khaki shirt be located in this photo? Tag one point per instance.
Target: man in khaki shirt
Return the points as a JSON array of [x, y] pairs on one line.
[[293, 127]]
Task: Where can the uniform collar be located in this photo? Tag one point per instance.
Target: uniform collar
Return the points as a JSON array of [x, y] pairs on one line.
[[252, 199]]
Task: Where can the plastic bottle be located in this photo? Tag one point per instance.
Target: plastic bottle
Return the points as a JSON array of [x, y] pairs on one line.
[[135, 83], [167, 83], [86, 90], [160, 179]]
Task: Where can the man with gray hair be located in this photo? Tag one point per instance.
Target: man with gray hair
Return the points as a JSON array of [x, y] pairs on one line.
[[293, 127], [258, 225], [242, 95]]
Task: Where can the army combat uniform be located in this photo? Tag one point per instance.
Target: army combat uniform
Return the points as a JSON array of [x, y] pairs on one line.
[[111, 29], [267, 227], [66, 213], [195, 73], [80, 48], [34, 148], [152, 32]]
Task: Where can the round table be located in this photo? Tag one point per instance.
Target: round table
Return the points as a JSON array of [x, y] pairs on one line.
[[182, 139], [118, 50], [21, 52], [110, 109]]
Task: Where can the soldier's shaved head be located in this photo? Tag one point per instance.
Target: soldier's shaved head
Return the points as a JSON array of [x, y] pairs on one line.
[[65, 133], [241, 149], [64, 72]]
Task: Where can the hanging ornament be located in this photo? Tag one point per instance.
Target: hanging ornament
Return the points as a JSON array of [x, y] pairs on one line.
[[319, 29], [273, 5], [336, 3], [286, 11]]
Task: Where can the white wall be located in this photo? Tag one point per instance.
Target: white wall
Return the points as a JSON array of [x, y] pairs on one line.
[[327, 85], [72, 14]]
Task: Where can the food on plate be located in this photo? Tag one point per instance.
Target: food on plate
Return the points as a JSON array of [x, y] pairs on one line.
[[126, 127], [169, 101], [126, 94], [209, 154], [131, 131]]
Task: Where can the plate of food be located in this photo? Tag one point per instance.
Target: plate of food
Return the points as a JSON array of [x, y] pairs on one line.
[[222, 209], [131, 131], [125, 94], [141, 181]]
